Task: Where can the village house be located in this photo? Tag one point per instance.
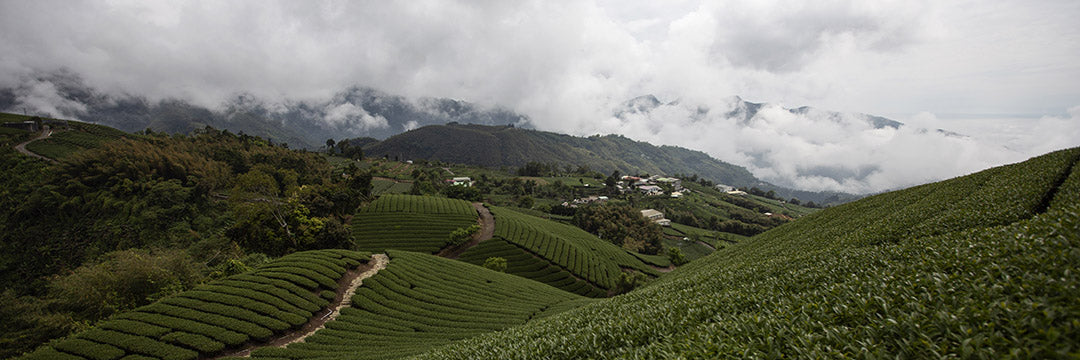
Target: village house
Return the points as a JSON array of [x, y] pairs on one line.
[[675, 183], [650, 190], [30, 126], [656, 217], [461, 181]]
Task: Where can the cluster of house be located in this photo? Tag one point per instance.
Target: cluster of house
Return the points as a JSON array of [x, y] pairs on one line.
[[730, 190], [34, 124], [650, 185], [460, 181], [585, 200]]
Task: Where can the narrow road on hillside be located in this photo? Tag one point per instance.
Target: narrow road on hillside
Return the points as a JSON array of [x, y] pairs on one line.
[[487, 231], [45, 133], [346, 289]]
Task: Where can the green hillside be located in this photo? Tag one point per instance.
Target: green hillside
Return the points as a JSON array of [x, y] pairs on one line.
[[409, 222], [498, 146], [495, 146], [419, 302], [74, 137], [278, 297], [560, 255], [981, 266]]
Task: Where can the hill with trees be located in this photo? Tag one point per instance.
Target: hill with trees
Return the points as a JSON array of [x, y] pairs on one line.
[[508, 146]]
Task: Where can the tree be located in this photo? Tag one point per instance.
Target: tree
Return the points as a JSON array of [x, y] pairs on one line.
[[526, 202], [622, 225], [676, 256], [495, 263], [462, 235], [329, 146], [630, 280]]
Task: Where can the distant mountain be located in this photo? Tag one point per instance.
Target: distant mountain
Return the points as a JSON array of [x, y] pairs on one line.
[[351, 113], [745, 112], [499, 146]]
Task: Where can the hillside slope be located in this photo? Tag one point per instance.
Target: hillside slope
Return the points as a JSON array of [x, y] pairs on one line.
[[496, 146], [981, 266]]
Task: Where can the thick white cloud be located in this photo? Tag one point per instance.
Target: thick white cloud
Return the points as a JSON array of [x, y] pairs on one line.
[[568, 64], [349, 114]]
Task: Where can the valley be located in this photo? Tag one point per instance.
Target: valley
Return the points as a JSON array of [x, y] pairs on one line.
[[214, 245]]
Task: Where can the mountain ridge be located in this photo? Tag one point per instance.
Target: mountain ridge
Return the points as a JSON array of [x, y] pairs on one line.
[[508, 146]]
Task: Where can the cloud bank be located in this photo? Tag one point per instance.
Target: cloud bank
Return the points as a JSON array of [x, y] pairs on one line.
[[568, 65]]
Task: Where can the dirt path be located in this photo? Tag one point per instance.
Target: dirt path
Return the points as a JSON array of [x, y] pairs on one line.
[[45, 133], [707, 245], [346, 288], [487, 231]]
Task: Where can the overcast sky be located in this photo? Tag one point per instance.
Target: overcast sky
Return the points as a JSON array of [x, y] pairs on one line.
[[1004, 73]]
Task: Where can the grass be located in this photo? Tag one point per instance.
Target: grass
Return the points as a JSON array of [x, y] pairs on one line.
[[973, 267]]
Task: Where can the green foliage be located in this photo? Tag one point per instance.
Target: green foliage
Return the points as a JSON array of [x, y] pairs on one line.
[[966, 268], [123, 280], [419, 302], [621, 225], [630, 280], [462, 235], [168, 192], [676, 256], [495, 263]]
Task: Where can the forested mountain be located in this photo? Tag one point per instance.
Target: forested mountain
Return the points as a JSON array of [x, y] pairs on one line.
[[498, 146]]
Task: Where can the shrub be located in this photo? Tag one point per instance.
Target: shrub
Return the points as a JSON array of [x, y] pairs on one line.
[[495, 263]]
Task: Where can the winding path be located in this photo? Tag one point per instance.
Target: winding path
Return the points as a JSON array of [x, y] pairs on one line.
[[487, 231], [45, 133], [353, 278]]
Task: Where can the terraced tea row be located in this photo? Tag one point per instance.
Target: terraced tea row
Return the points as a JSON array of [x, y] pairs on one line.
[[251, 307], [580, 253], [408, 222], [523, 263], [427, 233], [421, 301], [419, 204], [854, 281]]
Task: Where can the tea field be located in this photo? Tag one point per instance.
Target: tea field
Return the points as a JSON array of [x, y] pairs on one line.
[[981, 266], [419, 302], [557, 254], [277, 297], [408, 222]]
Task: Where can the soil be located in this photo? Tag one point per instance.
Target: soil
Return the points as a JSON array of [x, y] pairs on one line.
[[346, 288], [487, 231]]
